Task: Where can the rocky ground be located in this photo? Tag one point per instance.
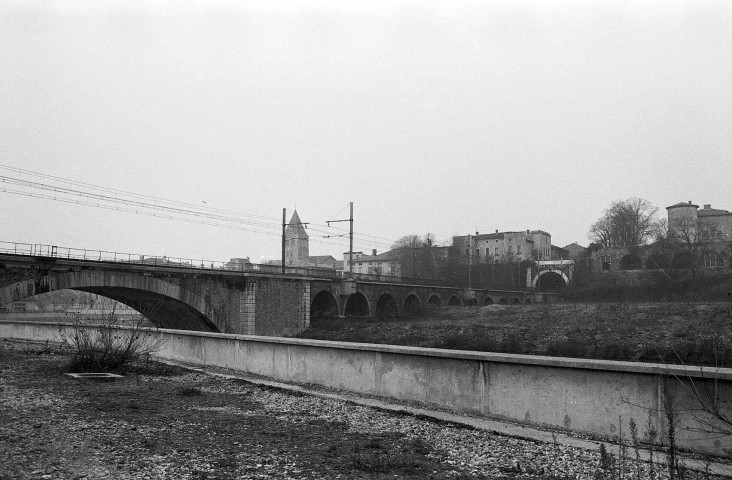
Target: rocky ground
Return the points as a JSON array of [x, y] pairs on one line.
[[692, 333], [167, 422]]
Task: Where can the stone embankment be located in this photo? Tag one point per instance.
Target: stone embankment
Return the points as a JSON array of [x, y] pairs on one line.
[[174, 423]]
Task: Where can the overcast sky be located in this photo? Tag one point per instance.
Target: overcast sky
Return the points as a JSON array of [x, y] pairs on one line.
[[442, 117]]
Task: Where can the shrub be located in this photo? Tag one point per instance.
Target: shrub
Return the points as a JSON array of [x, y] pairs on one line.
[[511, 343], [100, 344], [469, 341], [614, 350], [566, 348]]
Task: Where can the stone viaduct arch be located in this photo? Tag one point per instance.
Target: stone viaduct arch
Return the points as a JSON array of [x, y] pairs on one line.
[[382, 300], [631, 262], [412, 304], [165, 304], [454, 300], [386, 306], [551, 272], [657, 261], [434, 300], [356, 305], [323, 305]]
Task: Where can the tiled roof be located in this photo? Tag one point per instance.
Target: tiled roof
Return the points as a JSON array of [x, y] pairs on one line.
[[389, 256], [295, 228], [711, 211], [321, 258], [489, 236]]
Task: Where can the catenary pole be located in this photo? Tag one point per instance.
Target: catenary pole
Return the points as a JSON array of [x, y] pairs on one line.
[[350, 247], [284, 219]]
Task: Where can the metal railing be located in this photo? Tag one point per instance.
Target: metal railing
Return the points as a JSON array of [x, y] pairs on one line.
[[54, 251], [84, 254]]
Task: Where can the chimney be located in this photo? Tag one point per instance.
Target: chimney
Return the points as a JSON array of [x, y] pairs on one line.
[[528, 232], [373, 252], [707, 206], [496, 230], [689, 202]]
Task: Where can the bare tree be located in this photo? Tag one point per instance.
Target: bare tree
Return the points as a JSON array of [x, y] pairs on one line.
[[625, 223], [408, 241], [416, 255], [692, 240]]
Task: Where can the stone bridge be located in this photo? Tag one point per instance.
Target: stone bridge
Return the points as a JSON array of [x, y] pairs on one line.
[[550, 274], [219, 300]]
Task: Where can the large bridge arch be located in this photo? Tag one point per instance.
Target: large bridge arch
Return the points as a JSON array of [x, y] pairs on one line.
[[434, 300], [545, 272], [357, 305], [412, 304], [166, 305], [454, 300], [323, 305], [657, 261], [386, 306]]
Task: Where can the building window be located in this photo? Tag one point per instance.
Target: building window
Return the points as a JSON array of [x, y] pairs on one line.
[[477, 253], [712, 260], [496, 251], [518, 250], [606, 262]]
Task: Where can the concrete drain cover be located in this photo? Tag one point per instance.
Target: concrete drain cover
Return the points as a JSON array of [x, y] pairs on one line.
[[102, 377]]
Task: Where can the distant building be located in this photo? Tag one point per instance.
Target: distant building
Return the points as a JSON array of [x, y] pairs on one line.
[[689, 215], [559, 253], [388, 263], [576, 251], [240, 264], [297, 248], [502, 247], [685, 221], [297, 243], [20, 307], [324, 261]]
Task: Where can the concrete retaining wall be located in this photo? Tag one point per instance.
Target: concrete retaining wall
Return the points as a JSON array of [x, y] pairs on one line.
[[597, 397]]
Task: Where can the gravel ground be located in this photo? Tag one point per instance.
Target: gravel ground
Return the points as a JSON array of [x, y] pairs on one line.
[[173, 423]]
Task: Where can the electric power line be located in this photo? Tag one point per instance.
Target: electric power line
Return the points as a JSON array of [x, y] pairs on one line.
[[135, 202]]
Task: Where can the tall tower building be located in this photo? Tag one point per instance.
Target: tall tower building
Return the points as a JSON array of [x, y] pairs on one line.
[[682, 219], [297, 243]]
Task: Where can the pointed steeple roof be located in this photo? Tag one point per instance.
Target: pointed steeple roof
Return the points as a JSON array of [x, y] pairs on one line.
[[295, 227]]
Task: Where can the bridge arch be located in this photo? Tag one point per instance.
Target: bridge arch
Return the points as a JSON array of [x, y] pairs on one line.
[[324, 305], [657, 261], [552, 279], [631, 262], [386, 306], [357, 305], [434, 300], [503, 301], [166, 305], [487, 300], [454, 300], [412, 304], [516, 301]]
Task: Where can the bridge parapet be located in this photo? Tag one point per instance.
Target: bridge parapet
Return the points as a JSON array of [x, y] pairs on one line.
[[260, 302]]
